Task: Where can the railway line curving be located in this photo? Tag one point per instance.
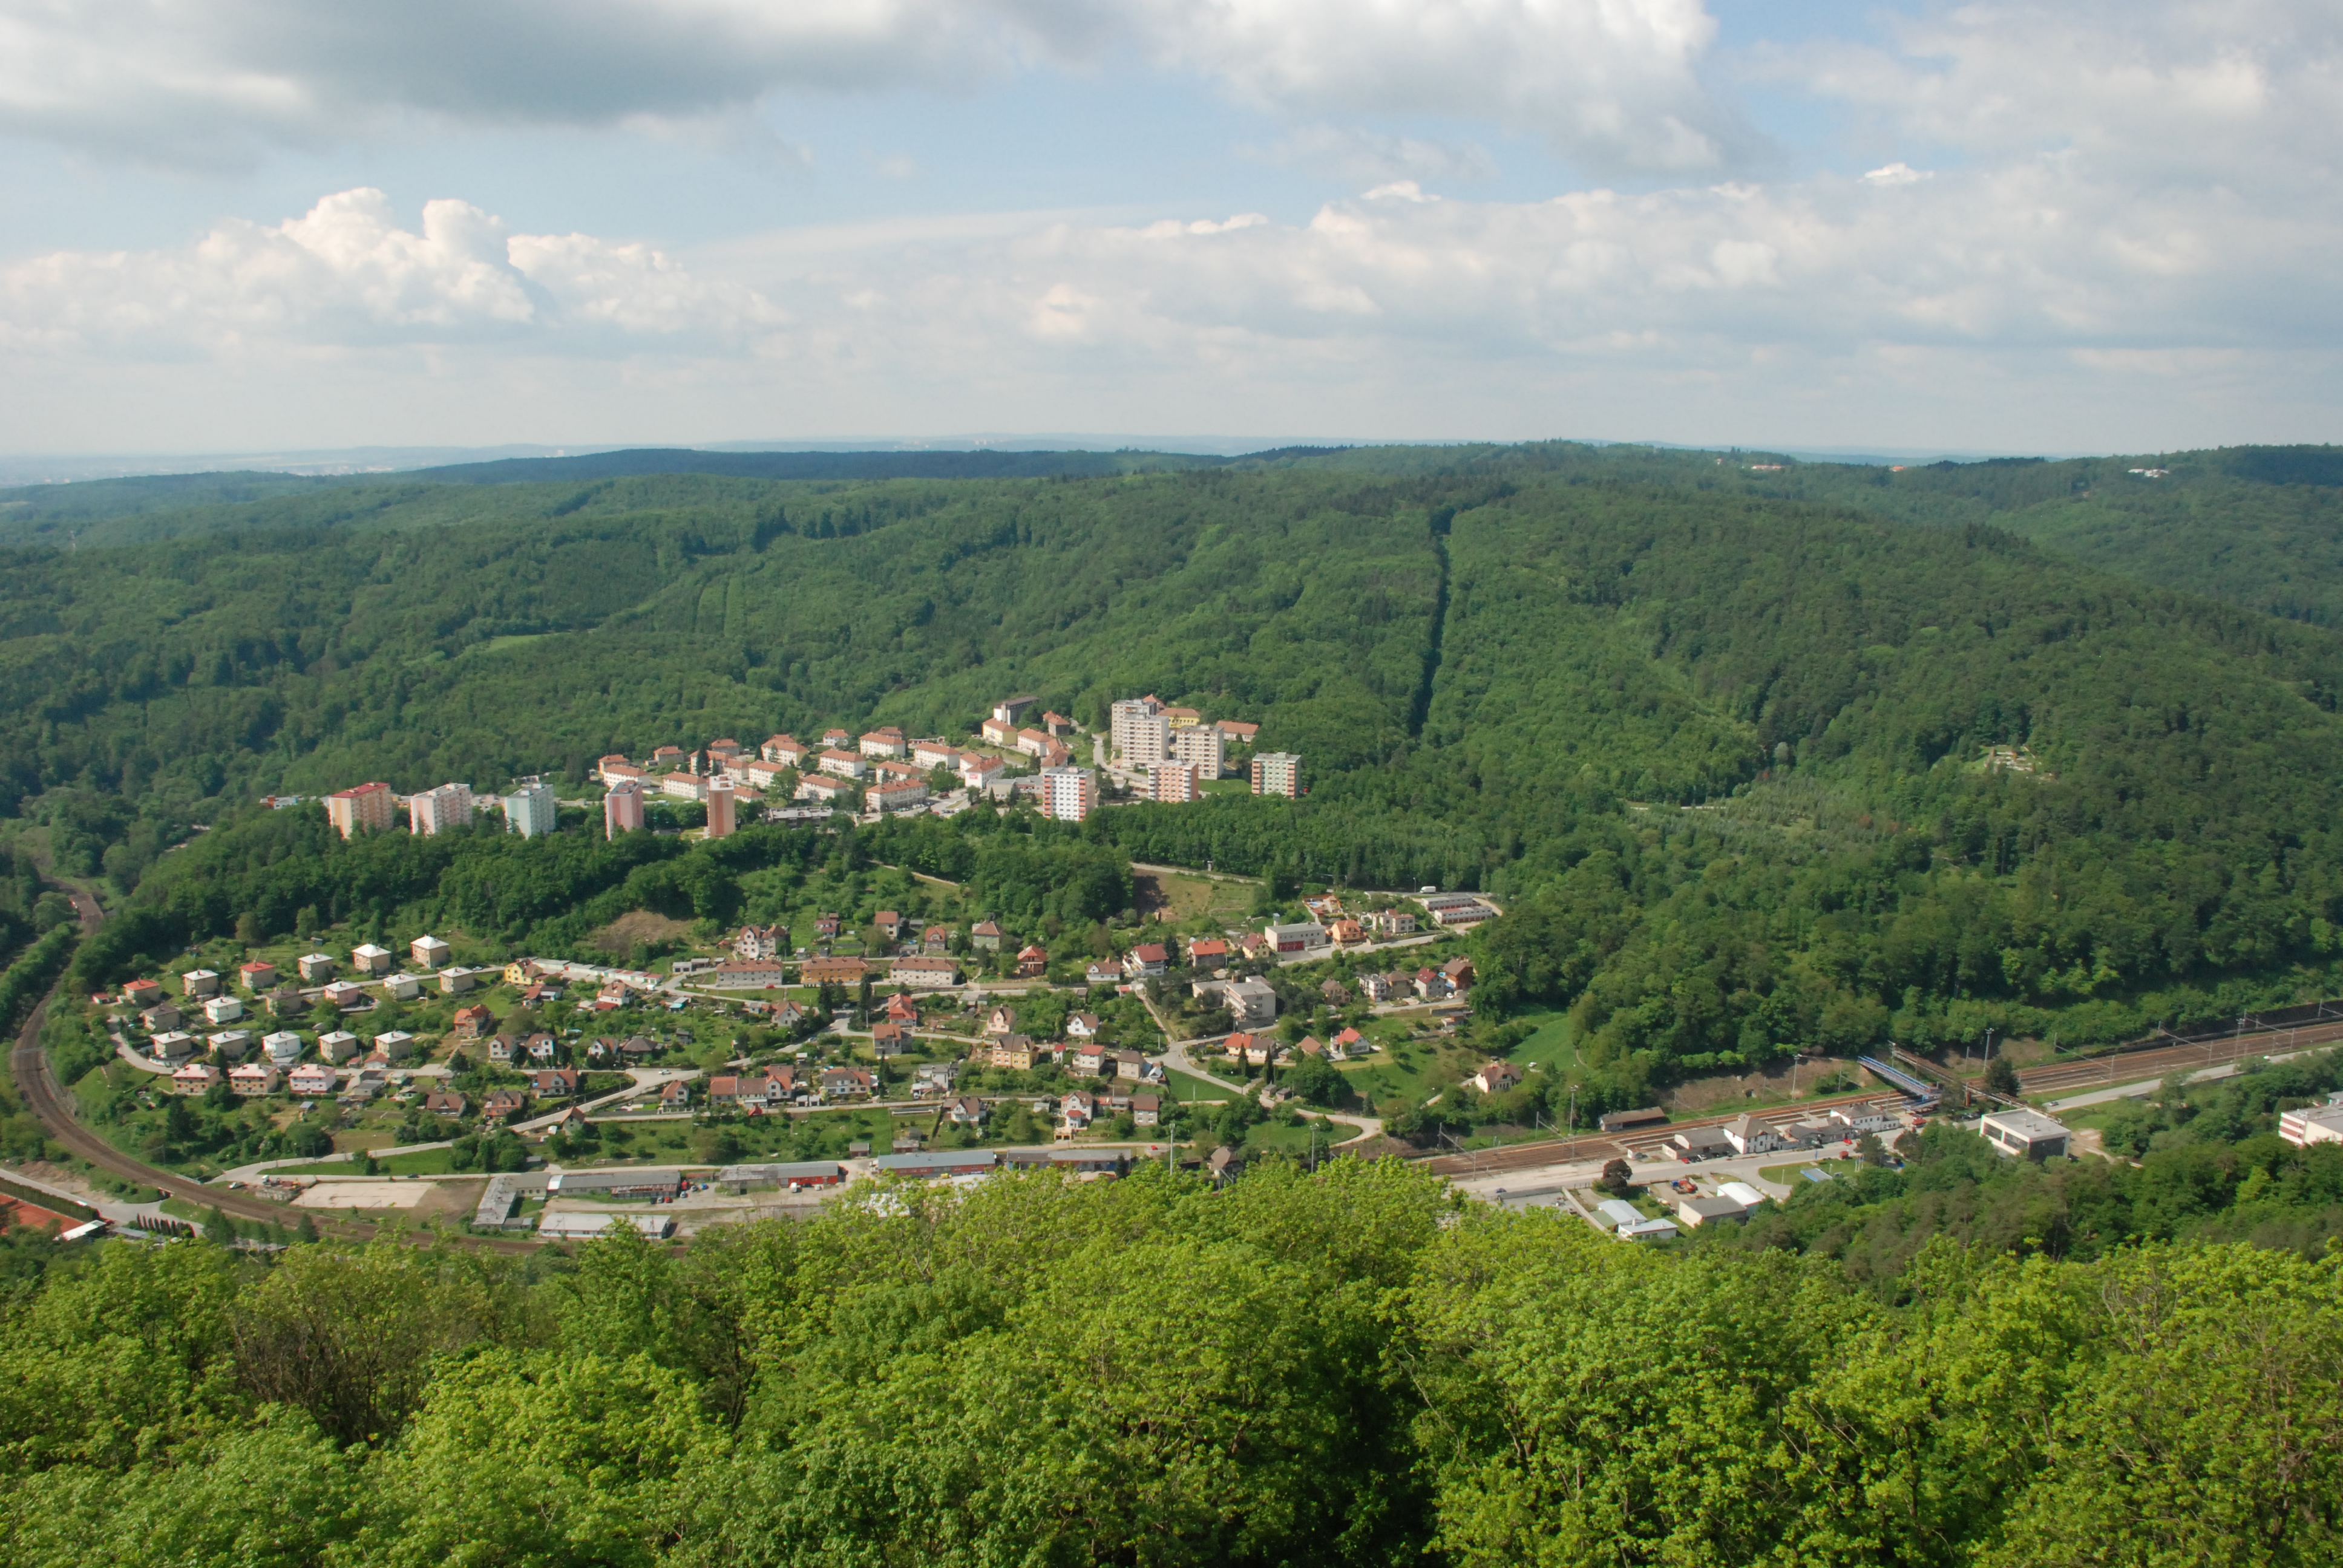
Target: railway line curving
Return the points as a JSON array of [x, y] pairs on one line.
[[30, 1064]]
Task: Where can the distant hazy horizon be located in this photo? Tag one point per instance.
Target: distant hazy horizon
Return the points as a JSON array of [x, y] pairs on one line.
[[39, 469]]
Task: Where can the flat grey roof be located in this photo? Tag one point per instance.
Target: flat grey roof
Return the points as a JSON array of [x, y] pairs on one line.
[[2030, 1125], [785, 1171], [937, 1159]]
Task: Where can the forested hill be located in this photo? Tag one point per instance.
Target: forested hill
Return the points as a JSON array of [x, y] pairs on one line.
[[2259, 526], [1724, 751]]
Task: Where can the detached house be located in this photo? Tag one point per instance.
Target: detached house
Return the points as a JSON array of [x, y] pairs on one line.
[[760, 941], [1497, 1077], [1146, 962], [1032, 963], [847, 1083], [985, 936]]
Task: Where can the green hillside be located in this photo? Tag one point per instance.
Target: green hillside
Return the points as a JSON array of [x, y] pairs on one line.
[[1723, 751]]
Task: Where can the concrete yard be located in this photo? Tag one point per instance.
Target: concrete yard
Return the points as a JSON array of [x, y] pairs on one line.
[[364, 1195]]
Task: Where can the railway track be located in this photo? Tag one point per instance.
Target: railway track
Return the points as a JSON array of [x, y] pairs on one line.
[[45, 1099], [2137, 1066]]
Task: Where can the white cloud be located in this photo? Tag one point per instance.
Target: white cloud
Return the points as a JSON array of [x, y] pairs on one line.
[[1612, 82], [1373, 158], [2162, 90], [346, 275]]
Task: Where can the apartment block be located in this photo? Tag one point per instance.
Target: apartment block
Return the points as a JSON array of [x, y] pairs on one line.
[[1068, 794], [721, 815], [622, 809], [1200, 747], [529, 810], [896, 794], [1172, 783], [369, 807], [436, 810], [1138, 732], [1277, 773]]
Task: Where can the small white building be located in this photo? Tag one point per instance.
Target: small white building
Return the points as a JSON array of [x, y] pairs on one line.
[[222, 1009], [283, 1048], [231, 1043], [428, 951], [199, 982], [1620, 1213], [338, 1046], [395, 1046], [2311, 1124], [2024, 1135], [316, 968], [454, 982], [402, 987], [173, 1045], [369, 959], [1750, 1136]]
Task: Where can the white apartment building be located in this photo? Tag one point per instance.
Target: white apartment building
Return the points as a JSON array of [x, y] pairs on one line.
[[1138, 732], [529, 810], [449, 806], [844, 765], [684, 786], [1068, 794]]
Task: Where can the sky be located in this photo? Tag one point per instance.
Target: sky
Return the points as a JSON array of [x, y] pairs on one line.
[[273, 225]]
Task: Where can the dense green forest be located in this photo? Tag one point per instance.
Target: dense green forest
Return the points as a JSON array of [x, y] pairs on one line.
[[1714, 729], [1344, 1367]]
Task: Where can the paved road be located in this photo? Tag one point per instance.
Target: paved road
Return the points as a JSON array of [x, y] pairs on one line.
[[45, 1099], [1176, 1058], [1549, 1185]]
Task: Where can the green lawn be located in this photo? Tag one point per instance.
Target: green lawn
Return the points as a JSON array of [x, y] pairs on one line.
[[1554, 1046], [428, 1162], [1269, 1137], [1398, 1072], [1187, 1086]]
